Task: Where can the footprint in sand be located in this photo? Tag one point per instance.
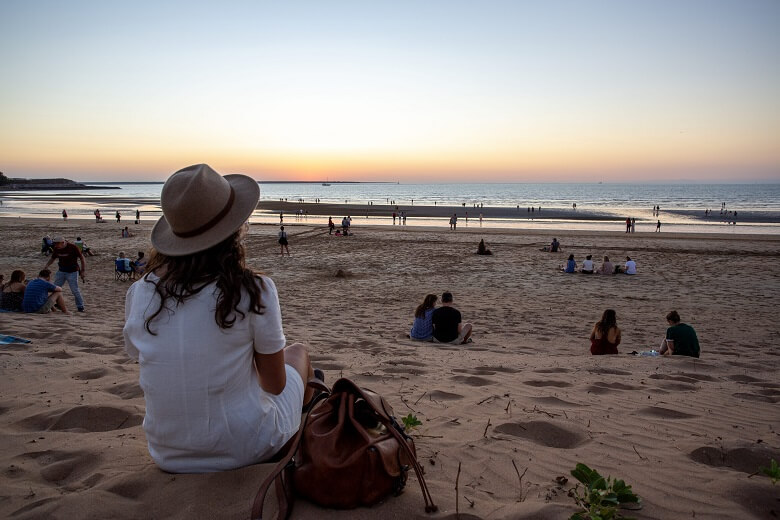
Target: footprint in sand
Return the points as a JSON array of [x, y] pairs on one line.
[[611, 371], [664, 413], [755, 397], [555, 370], [95, 373], [472, 380], [126, 390], [544, 433], [743, 378], [440, 395], [547, 382], [61, 467], [405, 370], [474, 371], [746, 460], [506, 370], [83, 419], [60, 354]]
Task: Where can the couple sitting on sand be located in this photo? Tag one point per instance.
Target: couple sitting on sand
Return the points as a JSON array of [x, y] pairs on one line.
[[442, 324], [680, 340], [606, 268], [36, 296]]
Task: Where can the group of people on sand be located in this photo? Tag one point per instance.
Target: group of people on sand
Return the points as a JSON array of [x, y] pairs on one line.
[[680, 339], [40, 295], [134, 268], [442, 324], [607, 267]]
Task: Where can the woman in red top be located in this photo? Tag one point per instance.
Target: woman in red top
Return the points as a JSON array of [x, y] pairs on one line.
[[605, 336]]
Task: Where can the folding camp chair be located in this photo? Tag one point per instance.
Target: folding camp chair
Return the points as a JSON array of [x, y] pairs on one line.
[[122, 269]]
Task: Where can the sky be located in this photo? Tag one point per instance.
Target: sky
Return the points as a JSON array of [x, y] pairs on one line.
[[409, 91]]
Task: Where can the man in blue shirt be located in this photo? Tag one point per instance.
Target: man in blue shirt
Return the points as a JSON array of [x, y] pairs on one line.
[[41, 296]]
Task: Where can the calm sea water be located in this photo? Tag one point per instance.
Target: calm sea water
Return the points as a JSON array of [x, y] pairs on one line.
[[621, 199]]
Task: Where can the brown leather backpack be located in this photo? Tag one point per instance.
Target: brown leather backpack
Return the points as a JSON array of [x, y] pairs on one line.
[[350, 451]]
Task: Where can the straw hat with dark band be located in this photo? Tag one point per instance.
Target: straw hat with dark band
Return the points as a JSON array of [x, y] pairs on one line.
[[201, 208]]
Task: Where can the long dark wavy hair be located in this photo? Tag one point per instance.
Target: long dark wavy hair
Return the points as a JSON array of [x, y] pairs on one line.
[[428, 303], [184, 276], [608, 320]]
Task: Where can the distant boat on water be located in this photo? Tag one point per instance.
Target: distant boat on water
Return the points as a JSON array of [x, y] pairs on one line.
[[326, 184]]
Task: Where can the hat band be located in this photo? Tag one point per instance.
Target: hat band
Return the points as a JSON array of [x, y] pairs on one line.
[[211, 223]]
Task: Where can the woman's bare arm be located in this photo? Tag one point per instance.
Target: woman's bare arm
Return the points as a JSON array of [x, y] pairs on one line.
[[271, 372]]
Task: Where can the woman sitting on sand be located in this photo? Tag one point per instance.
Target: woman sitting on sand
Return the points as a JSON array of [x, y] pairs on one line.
[[422, 328], [13, 292], [605, 336], [587, 265], [571, 265], [482, 250], [222, 391], [607, 267]]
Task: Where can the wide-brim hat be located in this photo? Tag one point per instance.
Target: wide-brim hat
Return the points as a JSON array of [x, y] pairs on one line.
[[201, 208]]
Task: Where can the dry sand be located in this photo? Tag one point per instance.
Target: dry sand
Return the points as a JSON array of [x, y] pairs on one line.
[[687, 433]]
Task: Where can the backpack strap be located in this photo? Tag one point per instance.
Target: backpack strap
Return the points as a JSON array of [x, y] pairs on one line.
[[278, 474]]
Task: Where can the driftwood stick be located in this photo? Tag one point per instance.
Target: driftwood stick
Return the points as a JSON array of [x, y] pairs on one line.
[[418, 399], [520, 478], [641, 457], [484, 434], [457, 507]]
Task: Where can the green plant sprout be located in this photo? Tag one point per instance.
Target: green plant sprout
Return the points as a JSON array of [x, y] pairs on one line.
[[773, 471], [410, 422], [600, 498]]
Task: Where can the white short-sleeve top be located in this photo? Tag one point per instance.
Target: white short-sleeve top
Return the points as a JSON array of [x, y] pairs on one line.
[[205, 410]]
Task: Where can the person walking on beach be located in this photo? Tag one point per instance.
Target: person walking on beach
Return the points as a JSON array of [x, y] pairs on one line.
[[658, 227], [628, 225], [454, 222], [681, 339], [633, 225], [118, 216], [447, 326], [68, 258], [331, 225], [283, 242], [64, 215], [394, 218], [137, 216], [201, 322]]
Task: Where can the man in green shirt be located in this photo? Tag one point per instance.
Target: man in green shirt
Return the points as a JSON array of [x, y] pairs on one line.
[[681, 339]]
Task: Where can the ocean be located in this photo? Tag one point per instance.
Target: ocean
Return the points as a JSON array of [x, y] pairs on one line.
[[682, 205]]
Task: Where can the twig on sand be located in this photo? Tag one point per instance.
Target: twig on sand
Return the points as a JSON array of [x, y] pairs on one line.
[[487, 399], [471, 502], [520, 478], [457, 507], [641, 457], [403, 400], [418, 399], [508, 404], [484, 434]]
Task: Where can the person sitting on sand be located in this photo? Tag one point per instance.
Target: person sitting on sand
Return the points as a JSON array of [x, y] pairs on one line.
[[607, 267], [482, 250], [571, 265], [41, 296], [139, 264], [681, 339], [222, 390], [12, 293], [605, 336], [554, 247], [126, 233], [630, 266], [447, 326], [587, 265], [422, 328]]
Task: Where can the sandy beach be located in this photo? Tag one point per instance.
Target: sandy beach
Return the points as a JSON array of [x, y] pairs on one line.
[[688, 434]]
